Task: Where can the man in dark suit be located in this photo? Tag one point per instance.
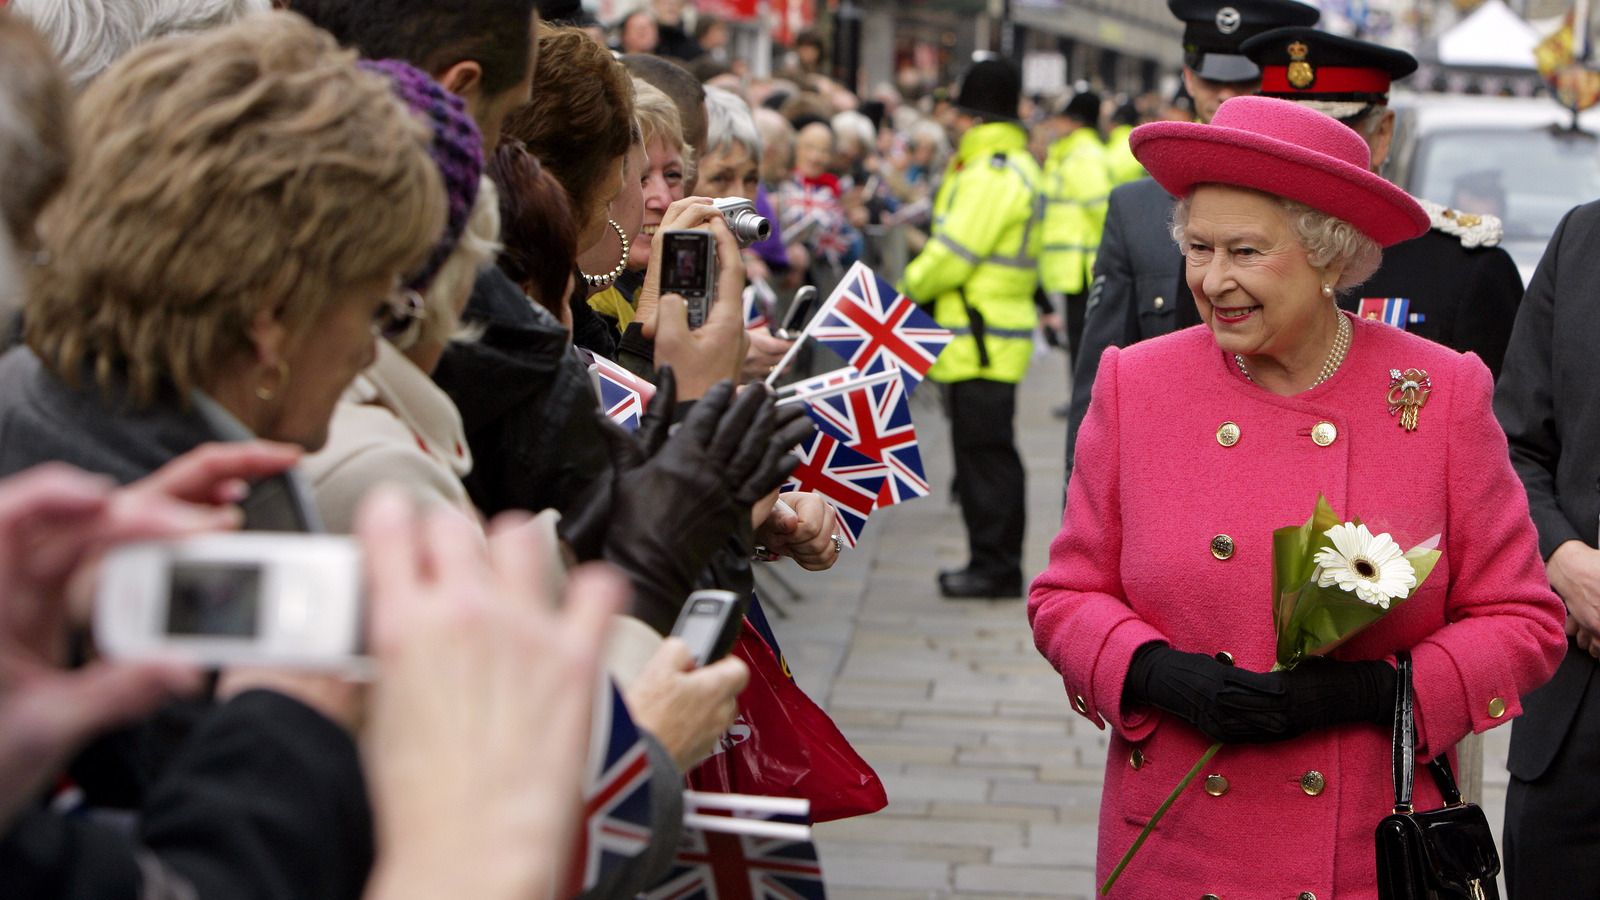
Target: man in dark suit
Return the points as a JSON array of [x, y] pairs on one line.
[[1549, 406], [1138, 286]]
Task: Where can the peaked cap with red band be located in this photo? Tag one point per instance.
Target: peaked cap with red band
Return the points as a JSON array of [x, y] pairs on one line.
[[1285, 149], [1307, 64]]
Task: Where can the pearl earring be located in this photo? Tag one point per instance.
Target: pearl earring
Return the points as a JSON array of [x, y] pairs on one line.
[[1327, 290]]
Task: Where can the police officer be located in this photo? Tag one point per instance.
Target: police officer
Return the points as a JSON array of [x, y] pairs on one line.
[[979, 270], [1138, 287], [1453, 285], [1077, 189]]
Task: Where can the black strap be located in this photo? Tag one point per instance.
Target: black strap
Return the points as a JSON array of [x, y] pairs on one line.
[[1405, 734], [976, 326], [1405, 739]]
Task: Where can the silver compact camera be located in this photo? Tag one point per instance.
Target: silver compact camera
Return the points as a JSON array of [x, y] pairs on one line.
[[746, 224]]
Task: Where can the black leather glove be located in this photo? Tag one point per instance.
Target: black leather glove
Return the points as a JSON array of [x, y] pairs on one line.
[[1326, 692], [586, 521], [669, 513], [1237, 706]]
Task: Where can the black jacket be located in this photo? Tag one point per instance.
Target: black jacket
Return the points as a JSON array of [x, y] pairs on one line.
[[1547, 402], [525, 402]]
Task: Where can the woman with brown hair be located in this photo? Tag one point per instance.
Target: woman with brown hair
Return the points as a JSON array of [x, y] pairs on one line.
[[242, 209]]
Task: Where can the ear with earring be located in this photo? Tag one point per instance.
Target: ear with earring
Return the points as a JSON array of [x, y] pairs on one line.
[[270, 388]]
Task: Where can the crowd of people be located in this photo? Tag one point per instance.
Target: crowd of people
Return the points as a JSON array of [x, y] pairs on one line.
[[344, 266]]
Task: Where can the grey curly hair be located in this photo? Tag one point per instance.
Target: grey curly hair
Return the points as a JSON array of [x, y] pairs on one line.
[[1327, 240]]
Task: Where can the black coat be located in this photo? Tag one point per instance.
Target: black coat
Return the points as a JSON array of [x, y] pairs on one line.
[[1548, 403], [525, 401]]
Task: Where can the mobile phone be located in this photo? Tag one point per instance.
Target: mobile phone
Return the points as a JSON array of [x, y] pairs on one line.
[[281, 502], [799, 312], [689, 269], [245, 598], [709, 623]]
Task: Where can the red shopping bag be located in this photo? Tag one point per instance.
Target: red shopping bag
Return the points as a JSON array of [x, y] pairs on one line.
[[784, 745]]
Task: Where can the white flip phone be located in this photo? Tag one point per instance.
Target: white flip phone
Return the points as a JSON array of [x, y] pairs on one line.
[[247, 598]]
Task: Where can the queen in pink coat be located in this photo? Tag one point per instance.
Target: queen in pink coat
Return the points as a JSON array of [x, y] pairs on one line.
[[1156, 609]]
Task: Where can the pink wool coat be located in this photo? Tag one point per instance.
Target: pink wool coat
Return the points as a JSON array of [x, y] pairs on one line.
[[1153, 485]]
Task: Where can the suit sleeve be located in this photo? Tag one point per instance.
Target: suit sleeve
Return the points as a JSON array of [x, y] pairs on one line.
[[1524, 401], [1082, 622], [986, 202], [1105, 322], [1484, 323], [1503, 634]]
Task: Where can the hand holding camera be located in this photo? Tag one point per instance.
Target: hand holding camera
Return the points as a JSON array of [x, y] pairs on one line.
[[714, 351]]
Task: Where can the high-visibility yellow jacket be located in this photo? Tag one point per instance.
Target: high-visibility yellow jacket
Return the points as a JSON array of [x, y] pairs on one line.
[[985, 247], [1078, 189], [1120, 160]]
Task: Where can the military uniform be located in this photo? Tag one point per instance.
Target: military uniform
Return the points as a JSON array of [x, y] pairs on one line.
[[979, 271]]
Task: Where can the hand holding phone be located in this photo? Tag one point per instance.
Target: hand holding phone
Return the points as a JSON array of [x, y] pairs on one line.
[[709, 623]]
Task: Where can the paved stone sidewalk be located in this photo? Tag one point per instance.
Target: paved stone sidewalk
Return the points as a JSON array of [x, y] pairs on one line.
[[993, 781]]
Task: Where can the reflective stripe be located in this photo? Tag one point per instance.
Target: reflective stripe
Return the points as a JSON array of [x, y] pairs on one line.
[[1012, 262], [957, 249], [1083, 247], [995, 332]]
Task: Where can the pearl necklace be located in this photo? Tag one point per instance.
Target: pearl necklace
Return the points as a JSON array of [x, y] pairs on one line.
[[1341, 345], [614, 274]]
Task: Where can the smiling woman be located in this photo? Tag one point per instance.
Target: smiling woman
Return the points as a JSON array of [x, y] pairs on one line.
[[1156, 606]]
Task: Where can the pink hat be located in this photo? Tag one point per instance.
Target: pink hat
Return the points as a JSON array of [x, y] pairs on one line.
[[1286, 149]]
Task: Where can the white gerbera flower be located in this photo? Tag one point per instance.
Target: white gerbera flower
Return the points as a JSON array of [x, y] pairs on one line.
[[1373, 568]]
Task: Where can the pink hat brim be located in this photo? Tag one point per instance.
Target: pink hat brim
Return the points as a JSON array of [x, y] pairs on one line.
[[1180, 155]]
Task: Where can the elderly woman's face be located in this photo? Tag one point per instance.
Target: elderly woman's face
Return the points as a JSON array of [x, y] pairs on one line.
[[1256, 289], [729, 173], [813, 150]]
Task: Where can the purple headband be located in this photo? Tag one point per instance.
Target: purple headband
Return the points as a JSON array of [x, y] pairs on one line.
[[456, 149]]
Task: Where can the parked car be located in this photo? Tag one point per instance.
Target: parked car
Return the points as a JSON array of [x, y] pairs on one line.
[[1517, 158]]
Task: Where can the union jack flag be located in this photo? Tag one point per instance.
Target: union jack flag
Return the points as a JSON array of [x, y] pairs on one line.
[[616, 800], [872, 326], [716, 866], [623, 395], [875, 421], [850, 480], [834, 236]]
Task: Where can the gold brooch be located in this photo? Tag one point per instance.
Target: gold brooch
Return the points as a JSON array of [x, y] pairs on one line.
[[1408, 393]]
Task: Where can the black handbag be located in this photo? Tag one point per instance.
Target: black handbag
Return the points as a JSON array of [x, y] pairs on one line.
[[1446, 854]]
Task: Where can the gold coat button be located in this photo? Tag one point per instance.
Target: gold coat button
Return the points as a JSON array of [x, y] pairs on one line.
[[1307, 895], [1497, 708], [1224, 657], [1136, 759], [1079, 705], [1211, 897], [1312, 783], [1324, 433], [1216, 785], [1160, 302], [1227, 434], [1222, 546]]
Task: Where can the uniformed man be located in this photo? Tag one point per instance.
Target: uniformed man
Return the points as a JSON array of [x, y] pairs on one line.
[[979, 271], [1453, 285], [1077, 189], [1138, 287]]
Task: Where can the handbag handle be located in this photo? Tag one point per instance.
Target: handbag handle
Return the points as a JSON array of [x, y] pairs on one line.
[[1405, 739]]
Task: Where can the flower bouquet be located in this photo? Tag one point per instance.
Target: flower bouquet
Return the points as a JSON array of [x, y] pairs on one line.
[[1330, 580]]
